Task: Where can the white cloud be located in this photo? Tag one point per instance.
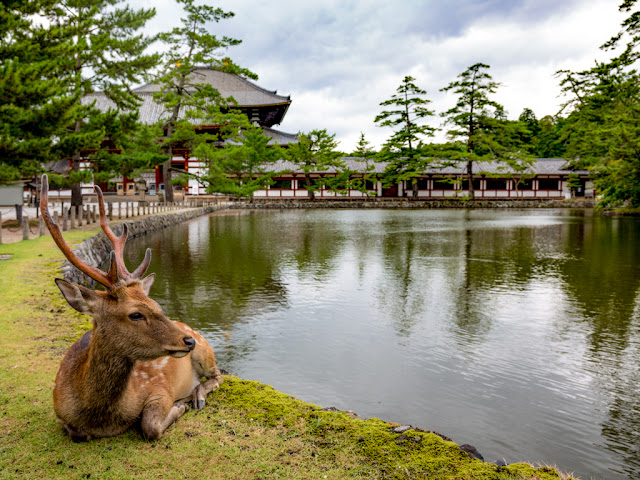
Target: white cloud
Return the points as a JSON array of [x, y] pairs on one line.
[[339, 59]]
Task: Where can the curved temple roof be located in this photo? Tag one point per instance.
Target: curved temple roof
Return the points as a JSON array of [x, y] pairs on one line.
[[255, 101]]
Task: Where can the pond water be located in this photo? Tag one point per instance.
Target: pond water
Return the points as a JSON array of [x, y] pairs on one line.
[[517, 331]]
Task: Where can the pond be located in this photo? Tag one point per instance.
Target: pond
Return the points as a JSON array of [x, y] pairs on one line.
[[517, 331]]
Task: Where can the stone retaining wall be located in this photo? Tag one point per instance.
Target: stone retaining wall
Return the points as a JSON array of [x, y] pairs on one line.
[[409, 203], [95, 250]]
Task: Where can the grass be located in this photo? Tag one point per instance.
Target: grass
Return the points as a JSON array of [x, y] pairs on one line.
[[247, 430]]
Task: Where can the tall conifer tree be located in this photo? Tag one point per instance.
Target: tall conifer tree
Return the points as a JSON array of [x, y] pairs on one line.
[[35, 103], [106, 53], [473, 116], [316, 152], [191, 46], [402, 149]]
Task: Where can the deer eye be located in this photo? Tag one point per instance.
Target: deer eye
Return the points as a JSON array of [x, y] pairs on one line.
[[136, 316]]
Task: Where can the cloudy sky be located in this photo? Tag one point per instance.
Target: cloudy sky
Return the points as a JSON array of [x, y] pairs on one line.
[[339, 59]]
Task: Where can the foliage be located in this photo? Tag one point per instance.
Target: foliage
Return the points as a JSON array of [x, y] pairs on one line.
[[242, 165], [480, 124], [316, 152], [402, 149], [138, 151], [35, 103], [191, 47], [602, 130], [104, 52], [363, 148]]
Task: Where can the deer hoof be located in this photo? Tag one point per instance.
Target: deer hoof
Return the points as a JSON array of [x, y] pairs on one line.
[[186, 406], [199, 404]]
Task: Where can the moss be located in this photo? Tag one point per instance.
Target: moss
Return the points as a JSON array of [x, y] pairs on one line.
[[411, 454]]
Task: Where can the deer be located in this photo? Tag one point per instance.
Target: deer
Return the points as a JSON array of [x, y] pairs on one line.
[[135, 364]]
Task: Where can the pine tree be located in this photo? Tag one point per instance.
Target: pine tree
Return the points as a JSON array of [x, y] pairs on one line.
[[602, 130], [105, 53], [363, 148], [473, 116], [191, 47], [242, 166], [403, 149], [316, 152], [35, 103]]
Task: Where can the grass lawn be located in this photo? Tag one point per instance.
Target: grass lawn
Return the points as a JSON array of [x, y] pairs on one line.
[[247, 430]]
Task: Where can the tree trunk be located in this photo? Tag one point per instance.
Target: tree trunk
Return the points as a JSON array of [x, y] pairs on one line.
[[414, 188], [472, 193], [307, 182], [166, 174]]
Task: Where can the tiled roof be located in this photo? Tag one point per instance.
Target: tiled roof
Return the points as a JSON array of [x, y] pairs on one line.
[[541, 166], [245, 92]]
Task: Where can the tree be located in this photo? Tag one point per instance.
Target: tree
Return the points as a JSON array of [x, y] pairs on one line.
[[315, 152], [602, 130], [368, 155], [35, 104], [402, 149], [105, 53], [363, 148], [242, 166], [191, 47], [474, 117]]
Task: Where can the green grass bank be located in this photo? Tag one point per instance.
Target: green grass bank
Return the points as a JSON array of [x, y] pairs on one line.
[[247, 430]]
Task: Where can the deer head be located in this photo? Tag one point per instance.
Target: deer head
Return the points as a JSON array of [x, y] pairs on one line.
[[126, 321]]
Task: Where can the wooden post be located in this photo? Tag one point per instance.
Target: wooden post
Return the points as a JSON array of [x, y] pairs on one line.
[[110, 211], [126, 209], [25, 227], [119, 210], [93, 213]]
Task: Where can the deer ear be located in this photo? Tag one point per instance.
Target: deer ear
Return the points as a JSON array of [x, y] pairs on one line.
[[147, 282], [80, 298]]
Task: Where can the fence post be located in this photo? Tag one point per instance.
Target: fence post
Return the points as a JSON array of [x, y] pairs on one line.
[[119, 210], [93, 213], [73, 218], [64, 218], [25, 227], [41, 225], [87, 214], [110, 211]]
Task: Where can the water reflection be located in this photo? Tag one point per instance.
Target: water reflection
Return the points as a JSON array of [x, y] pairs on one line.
[[515, 331]]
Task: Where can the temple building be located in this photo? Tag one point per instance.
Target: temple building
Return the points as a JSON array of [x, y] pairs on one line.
[[546, 178], [262, 107]]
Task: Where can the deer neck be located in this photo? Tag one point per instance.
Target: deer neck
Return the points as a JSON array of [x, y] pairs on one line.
[[106, 373]]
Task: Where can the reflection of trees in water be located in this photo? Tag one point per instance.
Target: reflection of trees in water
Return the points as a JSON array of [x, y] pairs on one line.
[[399, 287], [603, 282], [455, 273]]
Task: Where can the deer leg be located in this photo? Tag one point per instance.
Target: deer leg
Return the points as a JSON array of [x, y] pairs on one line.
[[205, 388], [158, 415]]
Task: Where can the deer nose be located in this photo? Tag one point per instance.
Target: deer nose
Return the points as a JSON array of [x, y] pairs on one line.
[[189, 342]]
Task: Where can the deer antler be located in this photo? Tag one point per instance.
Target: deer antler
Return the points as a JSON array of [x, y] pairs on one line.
[[118, 244], [117, 267], [109, 280]]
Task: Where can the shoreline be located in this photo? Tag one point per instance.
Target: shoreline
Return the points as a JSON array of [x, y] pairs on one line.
[[241, 418]]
